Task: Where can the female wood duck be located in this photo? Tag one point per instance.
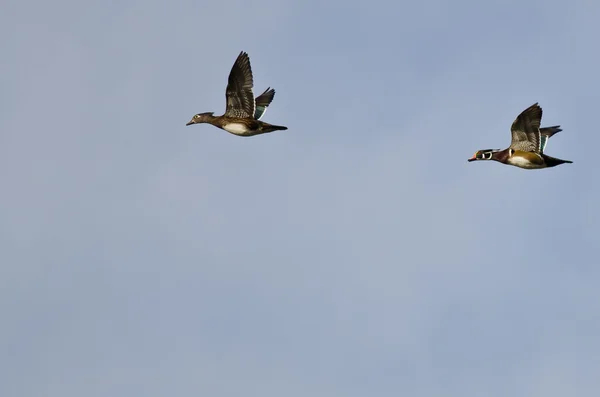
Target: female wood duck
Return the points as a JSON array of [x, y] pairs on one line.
[[243, 111], [526, 149]]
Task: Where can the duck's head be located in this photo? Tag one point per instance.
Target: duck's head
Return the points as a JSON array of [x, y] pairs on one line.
[[484, 154], [201, 118]]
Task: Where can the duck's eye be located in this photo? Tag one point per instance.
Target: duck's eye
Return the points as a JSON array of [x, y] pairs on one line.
[[196, 116]]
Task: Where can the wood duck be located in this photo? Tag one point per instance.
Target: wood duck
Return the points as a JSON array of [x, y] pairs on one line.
[[526, 149], [242, 111]]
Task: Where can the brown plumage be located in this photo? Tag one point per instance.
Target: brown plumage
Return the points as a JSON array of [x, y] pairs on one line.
[[242, 111], [527, 145]]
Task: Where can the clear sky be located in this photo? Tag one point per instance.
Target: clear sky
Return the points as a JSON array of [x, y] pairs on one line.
[[355, 254]]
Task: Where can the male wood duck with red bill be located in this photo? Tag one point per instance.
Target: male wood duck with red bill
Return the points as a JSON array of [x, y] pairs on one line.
[[526, 149], [243, 111]]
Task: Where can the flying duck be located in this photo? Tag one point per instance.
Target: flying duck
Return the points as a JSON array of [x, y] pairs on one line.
[[243, 111], [526, 149]]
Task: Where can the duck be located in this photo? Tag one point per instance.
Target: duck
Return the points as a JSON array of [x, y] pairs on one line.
[[243, 112], [528, 142]]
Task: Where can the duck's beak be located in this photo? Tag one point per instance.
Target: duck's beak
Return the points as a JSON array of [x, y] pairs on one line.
[[191, 122], [472, 158]]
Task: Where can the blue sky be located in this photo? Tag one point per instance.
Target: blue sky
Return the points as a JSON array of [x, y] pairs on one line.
[[357, 253]]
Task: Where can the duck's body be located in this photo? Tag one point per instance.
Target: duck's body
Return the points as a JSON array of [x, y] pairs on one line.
[[236, 125], [522, 159], [528, 142], [243, 111]]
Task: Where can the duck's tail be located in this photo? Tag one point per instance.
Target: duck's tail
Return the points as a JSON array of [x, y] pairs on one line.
[[270, 127], [553, 161]]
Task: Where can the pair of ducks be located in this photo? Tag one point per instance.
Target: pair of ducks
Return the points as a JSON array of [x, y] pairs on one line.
[[243, 113]]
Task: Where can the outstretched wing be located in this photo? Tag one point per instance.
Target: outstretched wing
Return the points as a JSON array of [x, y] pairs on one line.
[[262, 102], [240, 99], [525, 130], [546, 133]]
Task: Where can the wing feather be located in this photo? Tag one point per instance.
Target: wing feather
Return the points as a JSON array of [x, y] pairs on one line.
[[525, 130], [240, 99], [262, 102]]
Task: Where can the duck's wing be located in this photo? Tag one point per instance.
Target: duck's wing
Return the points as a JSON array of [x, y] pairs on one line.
[[546, 133], [240, 99], [262, 102], [525, 130]]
